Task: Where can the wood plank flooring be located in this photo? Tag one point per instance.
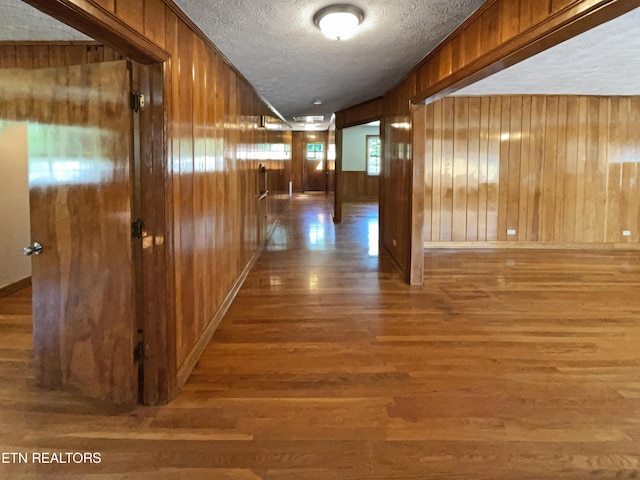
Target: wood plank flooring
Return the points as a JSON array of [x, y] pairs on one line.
[[505, 365]]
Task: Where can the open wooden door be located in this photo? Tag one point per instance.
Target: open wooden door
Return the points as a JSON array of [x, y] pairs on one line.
[[80, 131]]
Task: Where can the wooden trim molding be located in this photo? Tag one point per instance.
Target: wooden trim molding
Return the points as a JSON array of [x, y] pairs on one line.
[[475, 16], [338, 197], [416, 257], [93, 20], [401, 268], [359, 114], [15, 287], [529, 246]]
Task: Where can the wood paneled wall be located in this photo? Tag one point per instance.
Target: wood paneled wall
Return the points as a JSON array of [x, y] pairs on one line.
[[358, 114], [554, 169], [499, 34], [359, 184], [297, 158], [395, 184], [46, 55], [214, 150], [215, 224]]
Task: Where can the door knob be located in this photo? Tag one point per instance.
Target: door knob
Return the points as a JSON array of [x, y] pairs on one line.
[[35, 249]]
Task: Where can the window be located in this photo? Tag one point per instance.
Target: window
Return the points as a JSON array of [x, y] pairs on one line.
[[373, 155], [314, 151]]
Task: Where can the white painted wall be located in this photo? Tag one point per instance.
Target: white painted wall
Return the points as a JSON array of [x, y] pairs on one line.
[[14, 204], [354, 147]]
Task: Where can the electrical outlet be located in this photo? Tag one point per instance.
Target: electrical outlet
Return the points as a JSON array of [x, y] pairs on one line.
[[511, 231], [626, 233]]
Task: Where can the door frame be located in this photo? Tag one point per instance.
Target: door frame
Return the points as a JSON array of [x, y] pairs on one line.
[[338, 200], [104, 27], [149, 193], [305, 172]]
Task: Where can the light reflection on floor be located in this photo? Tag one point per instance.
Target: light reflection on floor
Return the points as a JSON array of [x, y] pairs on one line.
[[373, 237], [320, 232], [316, 235], [317, 232], [322, 249]]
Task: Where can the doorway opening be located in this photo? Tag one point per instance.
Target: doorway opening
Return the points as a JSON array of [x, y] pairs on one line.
[[359, 172]]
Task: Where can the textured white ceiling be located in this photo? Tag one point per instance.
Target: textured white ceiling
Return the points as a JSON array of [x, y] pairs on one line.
[[22, 22], [602, 61], [278, 48]]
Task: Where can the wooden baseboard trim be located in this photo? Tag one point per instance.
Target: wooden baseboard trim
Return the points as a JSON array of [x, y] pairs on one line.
[[529, 246], [15, 287], [399, 267], [190, 362], [360, 198], [192, 359]]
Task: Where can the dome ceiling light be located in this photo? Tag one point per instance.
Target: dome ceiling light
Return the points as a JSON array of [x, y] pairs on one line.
[[338, 22]]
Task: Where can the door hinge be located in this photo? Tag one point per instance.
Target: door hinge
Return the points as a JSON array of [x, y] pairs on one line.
[[141, 351], [137, 229], [137, 101]]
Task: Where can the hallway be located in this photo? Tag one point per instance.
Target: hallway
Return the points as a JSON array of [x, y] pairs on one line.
[[509, 364]]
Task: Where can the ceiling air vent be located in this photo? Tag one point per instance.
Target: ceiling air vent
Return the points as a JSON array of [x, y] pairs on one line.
[[309, 119]]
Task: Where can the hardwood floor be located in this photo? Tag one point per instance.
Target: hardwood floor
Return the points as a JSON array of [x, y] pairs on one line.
[[505, 365]]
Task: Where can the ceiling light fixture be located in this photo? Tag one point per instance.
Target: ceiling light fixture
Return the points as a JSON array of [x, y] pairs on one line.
[[338, 22]]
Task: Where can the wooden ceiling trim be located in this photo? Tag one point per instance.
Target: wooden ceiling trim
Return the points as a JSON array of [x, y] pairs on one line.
[[359, 114]]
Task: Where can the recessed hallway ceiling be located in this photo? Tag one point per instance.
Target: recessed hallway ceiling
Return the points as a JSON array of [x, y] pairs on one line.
[[277, 47]]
